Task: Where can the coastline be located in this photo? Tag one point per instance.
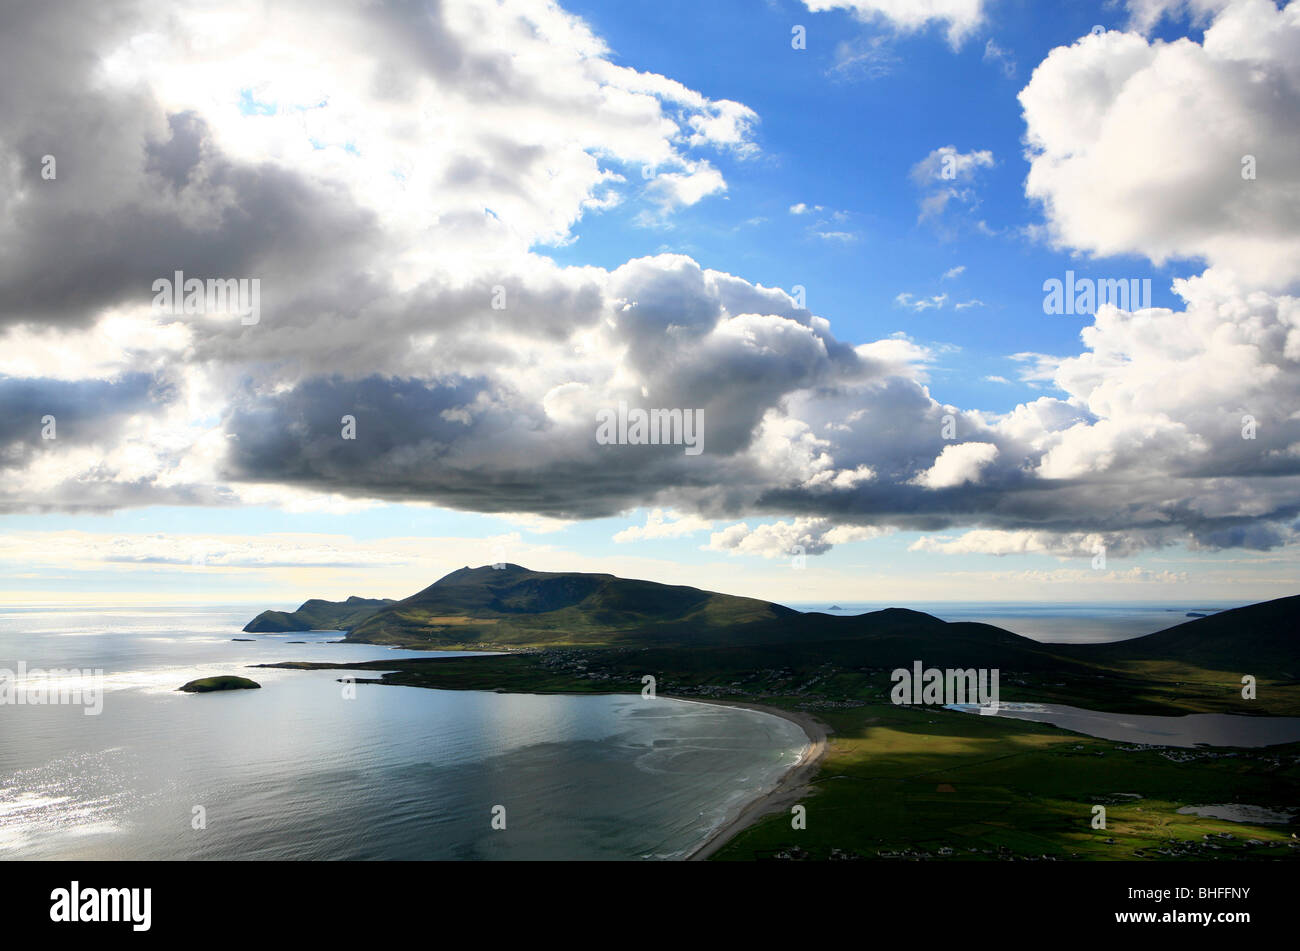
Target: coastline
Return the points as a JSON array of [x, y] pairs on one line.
[[789, 789]]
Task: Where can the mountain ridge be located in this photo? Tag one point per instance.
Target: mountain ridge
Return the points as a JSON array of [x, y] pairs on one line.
[[1265, 634], [512, 607], [316, 614]]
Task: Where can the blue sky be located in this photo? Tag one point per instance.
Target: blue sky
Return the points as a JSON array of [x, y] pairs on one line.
[[1078, 433], [847, 140]]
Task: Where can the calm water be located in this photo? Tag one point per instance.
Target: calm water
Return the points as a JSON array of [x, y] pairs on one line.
[[1241, 812], [295, 770], [1194, 729], [1083, 623]]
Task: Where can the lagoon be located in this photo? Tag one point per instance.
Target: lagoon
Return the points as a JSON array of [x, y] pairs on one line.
[[1195, 729]]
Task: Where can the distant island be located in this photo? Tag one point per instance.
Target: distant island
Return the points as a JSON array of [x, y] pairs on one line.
[[835, 607], [211, 684]]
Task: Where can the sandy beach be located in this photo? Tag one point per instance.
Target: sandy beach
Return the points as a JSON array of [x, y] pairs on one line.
[[789, 789]]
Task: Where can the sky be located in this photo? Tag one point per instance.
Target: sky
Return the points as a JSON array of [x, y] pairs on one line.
[[825, 230]]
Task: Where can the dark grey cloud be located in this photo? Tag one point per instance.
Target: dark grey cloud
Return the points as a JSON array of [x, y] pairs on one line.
[[411, 445], [86, 412], [182, 206], [176, 159], [87, 416]]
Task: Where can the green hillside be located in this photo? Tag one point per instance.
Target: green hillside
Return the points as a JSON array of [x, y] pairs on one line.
[[1261, 639], [515, 607]]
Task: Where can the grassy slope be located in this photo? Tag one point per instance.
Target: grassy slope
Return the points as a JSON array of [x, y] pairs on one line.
[[1260, 639]]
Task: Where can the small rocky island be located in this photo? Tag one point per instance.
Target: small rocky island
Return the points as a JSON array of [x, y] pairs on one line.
[[209, 684]]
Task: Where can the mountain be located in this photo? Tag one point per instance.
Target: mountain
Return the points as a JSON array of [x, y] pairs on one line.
[[318, 615], [513, 606], [1260, 638]]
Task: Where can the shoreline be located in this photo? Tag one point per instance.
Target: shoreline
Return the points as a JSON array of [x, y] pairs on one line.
[[791, 787]]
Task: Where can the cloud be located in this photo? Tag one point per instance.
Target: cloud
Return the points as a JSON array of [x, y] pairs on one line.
[[444, 138], [62, 442], [1184, 125], [946, 176], [671, 191], [948, 164], [75, 549], [1036, 367], [661, 524], [960, 17], [1056, 544], [828, 224], [919, 304], [1145, 14], [957, 465], [866, 57], [802, 536], [726, 124], [954, 272], [1005, 59]]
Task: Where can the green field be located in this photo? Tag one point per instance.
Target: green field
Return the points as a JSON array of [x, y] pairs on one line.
[[897, 780]]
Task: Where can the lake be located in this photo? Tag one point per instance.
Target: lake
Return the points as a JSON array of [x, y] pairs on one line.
[[1194, 729]]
